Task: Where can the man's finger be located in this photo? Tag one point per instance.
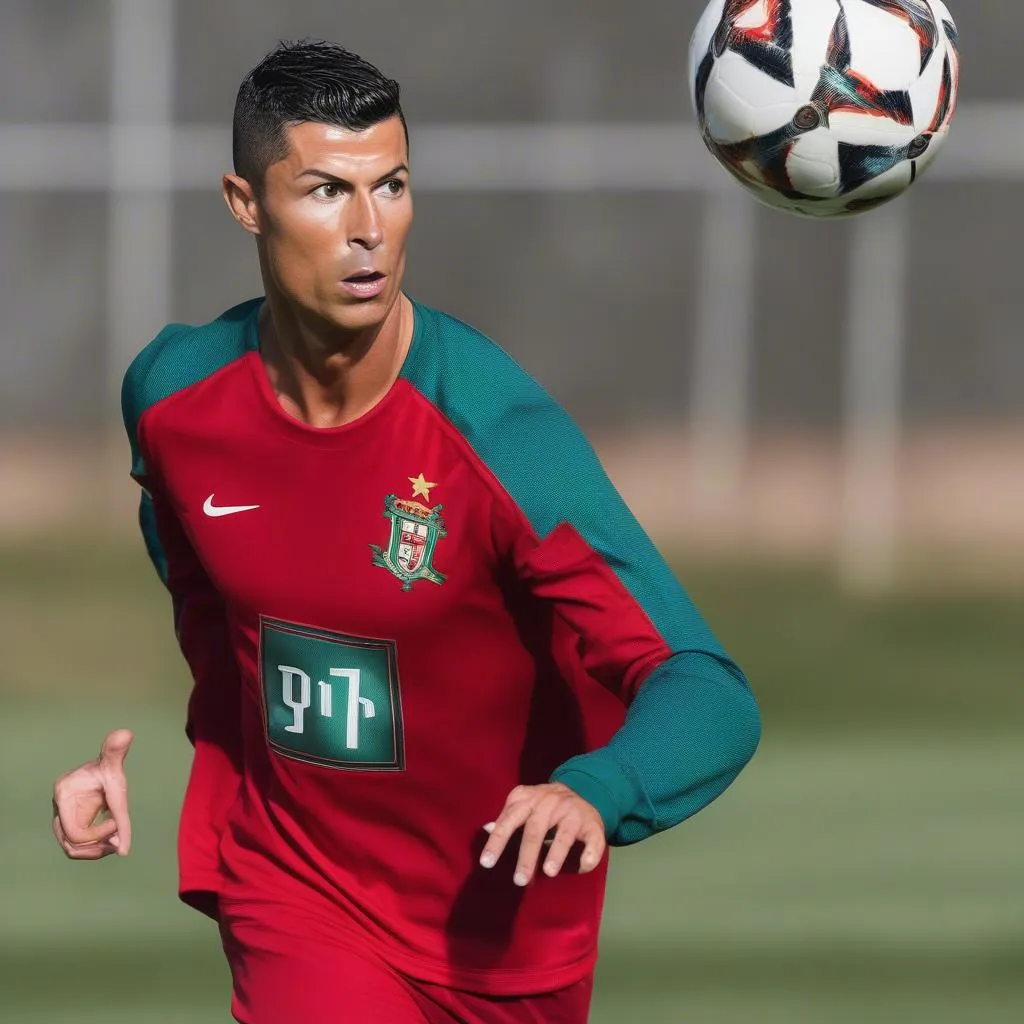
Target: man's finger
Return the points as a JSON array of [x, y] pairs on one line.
[[535, 833], [87, 850], [115, 790], [81, 835], [594, 845], [565, 838], [519, 794], [91, 851], [510, 819], [114, 749], [115, 785]]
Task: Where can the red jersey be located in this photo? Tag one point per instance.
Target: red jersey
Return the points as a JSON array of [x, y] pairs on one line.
[[392, 623]]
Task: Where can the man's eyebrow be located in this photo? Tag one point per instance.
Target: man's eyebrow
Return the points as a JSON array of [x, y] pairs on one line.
[[315, 172]]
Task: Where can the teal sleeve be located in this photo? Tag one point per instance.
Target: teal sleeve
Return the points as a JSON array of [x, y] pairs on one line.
[[150, 536], [688, 733]]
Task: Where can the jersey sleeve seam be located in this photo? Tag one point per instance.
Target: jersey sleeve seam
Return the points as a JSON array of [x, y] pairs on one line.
[[487, 476], [478, 466]]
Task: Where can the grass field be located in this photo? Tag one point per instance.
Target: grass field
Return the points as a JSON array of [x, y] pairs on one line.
[[866, 868]]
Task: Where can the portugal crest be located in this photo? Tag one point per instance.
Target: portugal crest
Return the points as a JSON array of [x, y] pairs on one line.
[[415, 531]]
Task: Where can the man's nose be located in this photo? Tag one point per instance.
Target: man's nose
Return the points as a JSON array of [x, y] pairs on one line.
[[365, 229]]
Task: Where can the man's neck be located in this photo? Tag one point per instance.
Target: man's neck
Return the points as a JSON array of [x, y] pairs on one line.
[[330, 379]]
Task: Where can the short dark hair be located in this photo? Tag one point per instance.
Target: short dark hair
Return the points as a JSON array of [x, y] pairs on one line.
[[309, 80]]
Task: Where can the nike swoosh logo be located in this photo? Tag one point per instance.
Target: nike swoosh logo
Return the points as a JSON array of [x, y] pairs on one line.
[[224, 510]]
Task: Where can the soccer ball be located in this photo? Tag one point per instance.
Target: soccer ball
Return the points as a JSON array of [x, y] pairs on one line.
[[825, 108]]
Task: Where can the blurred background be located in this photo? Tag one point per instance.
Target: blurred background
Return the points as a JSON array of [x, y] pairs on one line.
[[822, 424]]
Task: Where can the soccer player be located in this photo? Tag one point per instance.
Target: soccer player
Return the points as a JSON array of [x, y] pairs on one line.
[[437, 664]]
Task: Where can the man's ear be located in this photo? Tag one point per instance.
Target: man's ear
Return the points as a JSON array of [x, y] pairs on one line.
[[241, 200]]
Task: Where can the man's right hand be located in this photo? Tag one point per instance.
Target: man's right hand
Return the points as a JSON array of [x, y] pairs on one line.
[[96, 790]]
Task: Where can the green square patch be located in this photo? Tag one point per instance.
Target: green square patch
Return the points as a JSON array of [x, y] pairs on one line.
[[331, 699]]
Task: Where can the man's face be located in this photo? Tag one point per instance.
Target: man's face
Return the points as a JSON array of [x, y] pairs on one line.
[[333, 219]]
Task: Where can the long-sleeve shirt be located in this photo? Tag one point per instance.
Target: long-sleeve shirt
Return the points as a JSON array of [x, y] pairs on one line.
[[391, 624]]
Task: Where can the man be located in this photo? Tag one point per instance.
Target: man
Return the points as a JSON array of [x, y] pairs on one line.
[[414, 608]]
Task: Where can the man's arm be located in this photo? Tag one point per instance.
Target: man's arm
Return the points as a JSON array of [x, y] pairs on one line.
[[213, 723], [99, 787], [692, 721]]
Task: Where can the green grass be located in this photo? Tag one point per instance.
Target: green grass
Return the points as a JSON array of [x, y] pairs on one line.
[[866, 867]]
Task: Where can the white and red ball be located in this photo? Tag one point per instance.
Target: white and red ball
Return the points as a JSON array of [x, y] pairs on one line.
[[825, 108]]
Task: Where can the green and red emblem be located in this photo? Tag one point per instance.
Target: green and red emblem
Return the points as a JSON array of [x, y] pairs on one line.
[[415, 531]]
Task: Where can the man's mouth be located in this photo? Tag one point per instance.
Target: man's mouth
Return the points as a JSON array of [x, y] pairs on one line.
[[365, 284]]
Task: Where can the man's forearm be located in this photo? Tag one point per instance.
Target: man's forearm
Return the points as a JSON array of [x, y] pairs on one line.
[[690, 730]]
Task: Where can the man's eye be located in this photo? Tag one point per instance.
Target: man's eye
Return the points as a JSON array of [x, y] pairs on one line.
[[329, 191], [395, 186]]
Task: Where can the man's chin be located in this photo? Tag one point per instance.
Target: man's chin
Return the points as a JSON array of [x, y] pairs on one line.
[[363, 314]]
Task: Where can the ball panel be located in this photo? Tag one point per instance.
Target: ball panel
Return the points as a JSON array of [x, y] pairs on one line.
[[813, 165], [727, 114], [812, 28], [741, 101], [700, 46], [884, 49], [865, 128], [881, 188], [952, 38], [925, 92], [860, 165], [945, 19], [921, 20]]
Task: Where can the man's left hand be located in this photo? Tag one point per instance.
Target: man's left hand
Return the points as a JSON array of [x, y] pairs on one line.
[[539, 810]]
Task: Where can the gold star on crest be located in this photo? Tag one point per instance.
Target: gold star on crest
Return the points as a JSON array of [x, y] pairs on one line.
[[420, 485]]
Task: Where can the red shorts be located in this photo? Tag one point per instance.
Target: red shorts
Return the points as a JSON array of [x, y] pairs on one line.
[[281, 976]]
